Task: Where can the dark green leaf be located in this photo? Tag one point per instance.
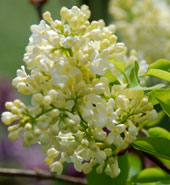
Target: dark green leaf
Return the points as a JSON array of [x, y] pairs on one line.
[[165, 106], [93, 178], [124, 167], [158, 146]]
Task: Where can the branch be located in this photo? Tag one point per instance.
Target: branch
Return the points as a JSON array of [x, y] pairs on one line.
[[39, 174], [157, 162], [38, 4], [87, 2], [38, 7]]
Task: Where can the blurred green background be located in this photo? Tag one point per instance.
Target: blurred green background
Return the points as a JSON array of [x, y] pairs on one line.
[[16, 17]]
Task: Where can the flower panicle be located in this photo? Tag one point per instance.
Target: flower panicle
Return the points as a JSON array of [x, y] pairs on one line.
[[76, 113]]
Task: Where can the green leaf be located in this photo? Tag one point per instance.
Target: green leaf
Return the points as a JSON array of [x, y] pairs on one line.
[[156, 121], [159, 69], [158, 146], [163, 95], [150, 175], [122, 68], [159, 74], [124, 167], [110, 76], [138, 87], [135, 164], [119, 65], [93, 178], [133, 77], [145, 183], [163, 183], [165, 106], [165, 161], [158, 132], [162, 64]]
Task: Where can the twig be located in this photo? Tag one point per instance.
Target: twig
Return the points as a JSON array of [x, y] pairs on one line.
[[155, 160], [38, 7], [87, 2], [38, 4], [43, 175]]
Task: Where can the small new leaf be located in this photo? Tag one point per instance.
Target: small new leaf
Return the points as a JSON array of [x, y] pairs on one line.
[[133, 77]]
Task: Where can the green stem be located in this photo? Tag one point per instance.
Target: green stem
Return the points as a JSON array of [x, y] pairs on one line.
[[83, 123]]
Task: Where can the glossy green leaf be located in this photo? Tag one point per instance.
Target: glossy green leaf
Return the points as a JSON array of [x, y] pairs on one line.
[[162, 64], [158, 132], [159, 74], [159, 69], [150, 175], [165, 106], [156, 121], [158, 146], [124, 167], [163, 94], [135, 164], [133, 77], [93, 178]]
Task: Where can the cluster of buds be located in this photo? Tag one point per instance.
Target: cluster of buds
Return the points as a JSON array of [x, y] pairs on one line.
[[143, 25], [77, 114]]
